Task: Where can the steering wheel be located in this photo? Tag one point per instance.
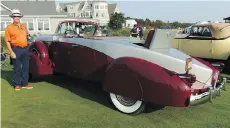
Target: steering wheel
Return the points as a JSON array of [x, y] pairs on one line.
[[74, 32]]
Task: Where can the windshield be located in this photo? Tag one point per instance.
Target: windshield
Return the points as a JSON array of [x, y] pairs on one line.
[[82, 29]]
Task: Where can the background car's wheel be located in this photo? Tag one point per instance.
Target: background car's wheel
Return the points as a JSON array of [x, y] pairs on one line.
[[127, 105]]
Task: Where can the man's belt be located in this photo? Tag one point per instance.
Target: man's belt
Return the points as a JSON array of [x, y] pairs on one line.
[[19, 46]]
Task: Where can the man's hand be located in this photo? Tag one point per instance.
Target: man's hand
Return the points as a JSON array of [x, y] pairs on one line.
[[12, 55]]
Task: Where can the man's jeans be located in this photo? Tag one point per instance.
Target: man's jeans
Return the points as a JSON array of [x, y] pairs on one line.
[[21, 66]]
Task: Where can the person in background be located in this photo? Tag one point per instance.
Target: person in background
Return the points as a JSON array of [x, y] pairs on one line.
[[17, 45], [106, 31], [134, 31], [140, 31]]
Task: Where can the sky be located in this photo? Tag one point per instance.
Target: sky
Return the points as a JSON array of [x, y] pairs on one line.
[[182, 11]]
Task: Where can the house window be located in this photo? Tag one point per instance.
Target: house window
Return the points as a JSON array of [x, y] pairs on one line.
[[102, 7], [96, 14], [87, 14], [96, 6], [102, 14], [87, 7], [43, 24], [106, 6], [5, 22], [29, 22]]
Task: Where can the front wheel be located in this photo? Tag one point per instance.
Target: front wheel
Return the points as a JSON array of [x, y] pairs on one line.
[[127, 105]]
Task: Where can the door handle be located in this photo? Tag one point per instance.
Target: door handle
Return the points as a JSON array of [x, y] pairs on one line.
[[74, 45]]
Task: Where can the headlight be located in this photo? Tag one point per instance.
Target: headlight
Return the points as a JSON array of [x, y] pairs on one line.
[[188, 65]]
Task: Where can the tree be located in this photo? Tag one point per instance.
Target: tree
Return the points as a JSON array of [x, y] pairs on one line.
[[116, 21]]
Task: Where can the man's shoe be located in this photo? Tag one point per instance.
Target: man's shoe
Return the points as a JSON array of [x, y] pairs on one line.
[[17, 88], [27, 87]]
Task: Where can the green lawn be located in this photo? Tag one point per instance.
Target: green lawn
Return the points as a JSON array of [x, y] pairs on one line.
[[61, 102]]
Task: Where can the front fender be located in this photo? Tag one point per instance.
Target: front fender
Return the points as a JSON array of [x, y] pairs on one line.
[[38, 47], [40, 63], [143, 80]]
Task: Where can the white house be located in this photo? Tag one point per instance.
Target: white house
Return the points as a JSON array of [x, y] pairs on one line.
[[129, 23], [40, 16], [98, 10]]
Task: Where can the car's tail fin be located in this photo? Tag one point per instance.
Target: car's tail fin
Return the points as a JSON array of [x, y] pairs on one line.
[[163, 39]]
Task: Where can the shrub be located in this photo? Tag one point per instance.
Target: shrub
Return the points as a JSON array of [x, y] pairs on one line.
[[3, 44], [120, 32], [126, 32]]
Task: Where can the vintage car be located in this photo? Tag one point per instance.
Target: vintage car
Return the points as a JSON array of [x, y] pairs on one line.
[[210, 42], [133, 74]]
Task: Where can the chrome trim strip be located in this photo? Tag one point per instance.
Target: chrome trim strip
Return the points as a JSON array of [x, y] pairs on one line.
[[184, 77], [216, 65]]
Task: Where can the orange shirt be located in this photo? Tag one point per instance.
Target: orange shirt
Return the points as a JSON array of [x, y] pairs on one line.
[[16, 35]]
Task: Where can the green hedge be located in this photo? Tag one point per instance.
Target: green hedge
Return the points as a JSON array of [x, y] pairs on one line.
[[3, 44], [126, 32]]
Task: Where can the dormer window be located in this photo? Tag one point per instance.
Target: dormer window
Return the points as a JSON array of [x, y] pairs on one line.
[[87, 7]]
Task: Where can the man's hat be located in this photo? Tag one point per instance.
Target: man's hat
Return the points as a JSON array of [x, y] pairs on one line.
[[16, 12]]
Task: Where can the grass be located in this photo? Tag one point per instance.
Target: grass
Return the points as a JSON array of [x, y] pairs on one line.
[[62, 102]]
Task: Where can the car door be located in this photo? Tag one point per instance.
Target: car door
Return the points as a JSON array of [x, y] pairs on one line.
[[60, 49], [82, 59], [59, 55], [198, 45]]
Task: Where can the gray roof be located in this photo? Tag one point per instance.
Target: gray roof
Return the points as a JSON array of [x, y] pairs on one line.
[[63, 5], [81, 5], [32, 7], [5, 12], [111, 8]]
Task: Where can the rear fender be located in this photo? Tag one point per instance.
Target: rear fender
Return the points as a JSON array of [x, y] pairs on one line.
[[214, 69], [143, 80], [121, 80]]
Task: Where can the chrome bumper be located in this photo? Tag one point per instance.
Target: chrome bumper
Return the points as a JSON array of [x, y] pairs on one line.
[[209, 95]]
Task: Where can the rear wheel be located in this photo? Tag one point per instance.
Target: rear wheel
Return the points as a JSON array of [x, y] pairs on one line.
[[127, 105]]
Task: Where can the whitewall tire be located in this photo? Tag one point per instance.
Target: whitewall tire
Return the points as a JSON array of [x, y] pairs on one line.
[[126, 105]]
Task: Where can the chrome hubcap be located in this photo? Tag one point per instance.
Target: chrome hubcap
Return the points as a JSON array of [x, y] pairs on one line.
[[125, 101]]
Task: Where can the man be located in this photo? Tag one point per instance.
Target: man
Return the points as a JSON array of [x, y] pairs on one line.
[[17, 45], [134, 31], [140, 32]]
